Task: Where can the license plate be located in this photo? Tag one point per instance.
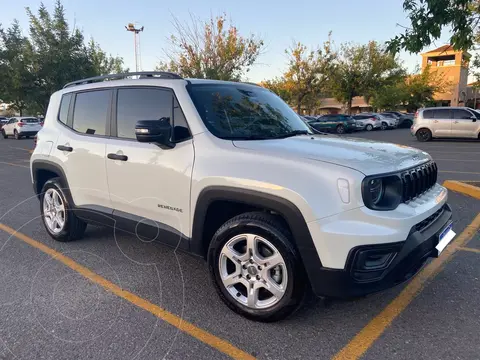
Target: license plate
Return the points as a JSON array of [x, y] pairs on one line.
[[445, 237]]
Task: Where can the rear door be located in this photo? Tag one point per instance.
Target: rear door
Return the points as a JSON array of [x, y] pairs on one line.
[[465, 124], [81, 145], [441, 124]]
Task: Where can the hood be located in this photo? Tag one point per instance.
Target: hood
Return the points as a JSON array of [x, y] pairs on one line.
[[367, 156]]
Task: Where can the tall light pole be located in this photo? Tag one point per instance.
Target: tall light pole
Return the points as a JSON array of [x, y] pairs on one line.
[[136, 43]]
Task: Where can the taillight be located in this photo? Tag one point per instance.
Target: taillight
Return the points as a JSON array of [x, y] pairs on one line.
[[35, 142], [20, 124], [416, 114], [41, 123]]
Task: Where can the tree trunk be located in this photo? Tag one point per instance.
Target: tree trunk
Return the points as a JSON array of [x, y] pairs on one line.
[[349, 105], [299, 104]]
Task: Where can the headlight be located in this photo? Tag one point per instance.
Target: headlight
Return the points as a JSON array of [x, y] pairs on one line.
[[382, 192]]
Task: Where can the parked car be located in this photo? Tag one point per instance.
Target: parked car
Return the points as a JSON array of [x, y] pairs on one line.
[[3, 121], [19, 127], [338, 123], [309, 118], [273, 208], [405, 120], [367, 121], [389, 121], [446, 122]]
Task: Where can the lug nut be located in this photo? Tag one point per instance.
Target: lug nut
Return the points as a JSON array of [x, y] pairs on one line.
[[248, 277], [258, 277], [244, 266], [251, 261], [259, 268]]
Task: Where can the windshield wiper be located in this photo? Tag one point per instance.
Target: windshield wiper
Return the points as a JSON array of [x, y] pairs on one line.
[[291, 133]]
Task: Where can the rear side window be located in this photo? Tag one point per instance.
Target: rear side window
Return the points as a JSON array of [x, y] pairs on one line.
[[90, 112], [428, 114], [64, 106], [441, 114], [461, 114]]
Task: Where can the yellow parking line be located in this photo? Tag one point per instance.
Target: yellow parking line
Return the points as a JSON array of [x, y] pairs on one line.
[[12, 164], [221, 345], [458, 172], [464, 160], [462, 248], [372, 331], [467, 189]]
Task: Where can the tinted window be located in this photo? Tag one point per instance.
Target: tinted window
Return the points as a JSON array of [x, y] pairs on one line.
[[64, 105], [441, 114], [141, 104], [90, 112], [428, 114], [239, 111], [461, 114], [30, 120], [360, 117], [180, 130]]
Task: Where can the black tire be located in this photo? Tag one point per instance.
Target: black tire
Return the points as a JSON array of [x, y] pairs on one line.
[[74, 228], [384, 126], [16, 135], [423, 135], [340, 129], [369, 127], [270, 228], [5, 136]]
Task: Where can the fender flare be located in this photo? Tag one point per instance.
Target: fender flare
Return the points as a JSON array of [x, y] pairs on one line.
[[292, 215], [38, 165]]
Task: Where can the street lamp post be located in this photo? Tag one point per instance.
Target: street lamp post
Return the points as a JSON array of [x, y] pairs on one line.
[[136, 43]]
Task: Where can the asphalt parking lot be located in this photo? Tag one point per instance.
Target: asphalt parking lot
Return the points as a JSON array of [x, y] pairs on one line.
[[112, 296]]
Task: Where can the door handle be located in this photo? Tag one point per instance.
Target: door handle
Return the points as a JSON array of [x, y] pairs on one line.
[[65, 148], [117, 157], [456, 122], [435, 121]]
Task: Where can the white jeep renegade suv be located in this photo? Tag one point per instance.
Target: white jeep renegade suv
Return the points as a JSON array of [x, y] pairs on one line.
[[229, 172]]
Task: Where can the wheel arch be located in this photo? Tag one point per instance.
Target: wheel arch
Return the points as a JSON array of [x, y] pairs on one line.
[[252, 199], [44, 170]]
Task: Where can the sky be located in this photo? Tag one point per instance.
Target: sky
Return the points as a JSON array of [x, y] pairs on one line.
[[279, 23]]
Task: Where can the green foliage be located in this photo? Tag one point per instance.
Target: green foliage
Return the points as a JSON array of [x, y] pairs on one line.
[[361, 70], [307, 74], [210, 50], [33, 68], [429, 17], [16, 86]]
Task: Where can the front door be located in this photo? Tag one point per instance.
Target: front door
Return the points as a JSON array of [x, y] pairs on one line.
[[150, 186], [464, 124], [8, 128], [441, 124]]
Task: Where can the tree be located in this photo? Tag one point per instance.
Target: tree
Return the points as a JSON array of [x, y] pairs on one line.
[[210, 50], [308, 72], [429, 17], [16, 86], [281, 87], [362, 69], [104, 64]]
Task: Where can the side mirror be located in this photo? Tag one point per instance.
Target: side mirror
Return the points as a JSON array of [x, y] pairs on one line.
[[155, 131], [474, 118]]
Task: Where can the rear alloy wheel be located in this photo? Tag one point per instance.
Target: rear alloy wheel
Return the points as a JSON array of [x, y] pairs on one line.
[[369, 127], [424, 135], [16, 135], [256, 270], [384, 126], [340, 129]]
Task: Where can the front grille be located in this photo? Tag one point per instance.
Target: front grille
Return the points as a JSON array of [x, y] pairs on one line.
[[422, 225], [418, 180]]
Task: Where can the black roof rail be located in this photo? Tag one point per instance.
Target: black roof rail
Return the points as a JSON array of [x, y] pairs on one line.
[[141, 75]]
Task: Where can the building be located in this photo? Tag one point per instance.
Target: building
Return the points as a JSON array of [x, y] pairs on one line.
[[452, 65]]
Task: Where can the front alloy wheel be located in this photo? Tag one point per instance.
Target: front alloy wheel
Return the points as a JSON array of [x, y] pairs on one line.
[[384, 126], [256, 268], [340, 129], [253, 271], [369, 127]]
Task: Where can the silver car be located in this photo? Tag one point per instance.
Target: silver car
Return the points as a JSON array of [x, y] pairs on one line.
[[446, 122]]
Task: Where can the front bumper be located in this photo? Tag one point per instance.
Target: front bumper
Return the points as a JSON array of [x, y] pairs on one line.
[[408, 258]]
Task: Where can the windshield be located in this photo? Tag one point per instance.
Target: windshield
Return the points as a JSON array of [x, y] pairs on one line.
[[239, 111]]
